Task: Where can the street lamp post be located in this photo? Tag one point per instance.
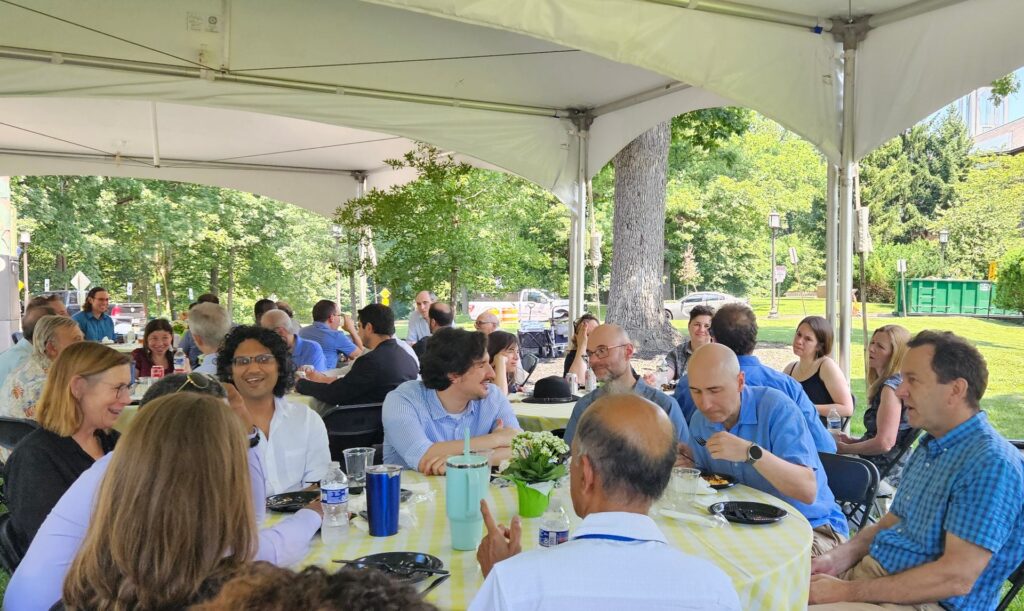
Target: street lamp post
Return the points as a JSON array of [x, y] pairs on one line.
[[943, 239], [26, 239], [774, 222]]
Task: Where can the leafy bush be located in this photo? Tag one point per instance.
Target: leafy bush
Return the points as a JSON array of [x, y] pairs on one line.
[[1010, 294], [923, 260]]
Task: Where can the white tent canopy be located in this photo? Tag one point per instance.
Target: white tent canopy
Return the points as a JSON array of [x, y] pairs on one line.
[[546, 89]]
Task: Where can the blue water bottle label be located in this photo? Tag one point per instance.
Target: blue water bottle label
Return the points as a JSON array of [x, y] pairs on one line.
[[333, 495], [551, 538]]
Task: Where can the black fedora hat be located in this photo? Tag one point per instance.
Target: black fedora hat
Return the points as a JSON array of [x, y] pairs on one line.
[[552, 389]]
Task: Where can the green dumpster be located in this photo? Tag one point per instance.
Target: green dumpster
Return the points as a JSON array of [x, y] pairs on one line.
[[932, 296]]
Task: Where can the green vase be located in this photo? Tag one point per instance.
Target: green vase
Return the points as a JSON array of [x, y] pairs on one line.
[[532, 502]]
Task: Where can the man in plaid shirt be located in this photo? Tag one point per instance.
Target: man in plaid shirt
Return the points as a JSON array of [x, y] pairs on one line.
[[956, 530]]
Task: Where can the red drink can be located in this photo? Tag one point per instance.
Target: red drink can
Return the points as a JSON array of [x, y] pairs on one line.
[[156, 371]]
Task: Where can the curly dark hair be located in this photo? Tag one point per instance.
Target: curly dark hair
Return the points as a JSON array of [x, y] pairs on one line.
[[262, 586], [273, 342], [734, 325], [450, 352]]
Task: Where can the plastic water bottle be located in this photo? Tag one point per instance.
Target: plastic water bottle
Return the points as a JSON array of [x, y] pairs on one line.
[[591, 380], [554, 526], [835, 422], [334, 497], [179, 361]]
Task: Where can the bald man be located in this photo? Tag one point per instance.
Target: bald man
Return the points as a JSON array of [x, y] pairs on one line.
[[304, 352], [758, 435], [609, 351], [487, 323], [418, 325], [617, 558]]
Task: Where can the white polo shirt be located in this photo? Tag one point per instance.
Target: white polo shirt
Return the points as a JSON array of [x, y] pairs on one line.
[[297, 450], [595, 574]]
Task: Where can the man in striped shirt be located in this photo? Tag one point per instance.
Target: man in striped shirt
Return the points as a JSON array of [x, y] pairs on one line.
[[956, 528]]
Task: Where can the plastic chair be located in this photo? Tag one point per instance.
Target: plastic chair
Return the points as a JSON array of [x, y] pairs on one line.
[[1016, 580], [353, 426], [13, 430], [529, 362], [853, 482]]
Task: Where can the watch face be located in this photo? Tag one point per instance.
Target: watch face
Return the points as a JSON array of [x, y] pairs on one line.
[[754, 452]]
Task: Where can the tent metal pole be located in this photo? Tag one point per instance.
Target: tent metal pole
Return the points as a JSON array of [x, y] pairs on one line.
[[831, 248], [851, 33], [360, 298], [156, 135], [194, 72]]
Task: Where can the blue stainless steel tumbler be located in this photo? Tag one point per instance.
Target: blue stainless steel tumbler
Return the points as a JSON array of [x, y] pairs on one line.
[[383, 492]]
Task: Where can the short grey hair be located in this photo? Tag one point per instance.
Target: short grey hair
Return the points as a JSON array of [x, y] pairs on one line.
[[273, 319], [46, 329], [210, 322], [199, 383]]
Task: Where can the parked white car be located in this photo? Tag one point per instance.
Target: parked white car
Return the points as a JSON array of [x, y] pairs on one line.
[[680, 310], [531, 304]]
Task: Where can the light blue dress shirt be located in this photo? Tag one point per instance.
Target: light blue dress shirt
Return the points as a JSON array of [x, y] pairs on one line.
[[14, 357], [756, 374], [95, 329], [968, 483], [414, 420], [307, 352], [653, 395], [418, 327], [769, 419], [331, 341], [208, 366]]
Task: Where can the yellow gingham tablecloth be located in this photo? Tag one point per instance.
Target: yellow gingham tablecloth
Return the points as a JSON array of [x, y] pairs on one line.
[[540, 416], [770, 565]]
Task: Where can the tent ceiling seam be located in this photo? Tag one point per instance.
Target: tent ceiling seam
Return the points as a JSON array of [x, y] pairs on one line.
[[71, 142], [153, 68], [745, 11]]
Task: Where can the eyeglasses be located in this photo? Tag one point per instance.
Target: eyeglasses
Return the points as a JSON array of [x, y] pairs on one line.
[[259, 359], [602, 352], [200, 381], [119, 389]]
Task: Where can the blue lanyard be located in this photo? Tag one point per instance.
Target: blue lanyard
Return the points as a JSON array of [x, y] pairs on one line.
[[608, 537]]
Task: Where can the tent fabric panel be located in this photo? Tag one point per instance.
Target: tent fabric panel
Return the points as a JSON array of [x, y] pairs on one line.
[[786, 73], [319, 192], [908, 69]]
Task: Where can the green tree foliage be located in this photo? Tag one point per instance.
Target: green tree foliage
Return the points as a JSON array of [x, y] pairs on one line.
[[986, 221], [1010, 292], [1004, 87], [490, 232], [120, 230], [911, 178]]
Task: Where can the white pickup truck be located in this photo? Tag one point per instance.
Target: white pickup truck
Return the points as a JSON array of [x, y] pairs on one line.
[[531, 304]]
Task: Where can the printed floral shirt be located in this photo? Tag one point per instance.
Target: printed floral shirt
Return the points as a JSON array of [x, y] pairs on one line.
[[22, 389]]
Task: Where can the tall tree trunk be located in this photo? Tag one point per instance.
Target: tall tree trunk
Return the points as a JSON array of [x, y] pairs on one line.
[[215, 279], [638, 247]]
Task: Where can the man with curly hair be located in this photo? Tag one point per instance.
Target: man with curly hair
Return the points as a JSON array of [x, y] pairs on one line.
[[293, 437], [425, 420]]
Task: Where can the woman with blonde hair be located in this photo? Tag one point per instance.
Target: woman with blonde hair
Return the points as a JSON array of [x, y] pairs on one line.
[[885, 420], [24, 385], [818, 374], [85, 392], [167, 532]]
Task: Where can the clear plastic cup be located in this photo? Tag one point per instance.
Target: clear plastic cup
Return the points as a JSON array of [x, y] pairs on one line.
[[684, 487], [356, 462]]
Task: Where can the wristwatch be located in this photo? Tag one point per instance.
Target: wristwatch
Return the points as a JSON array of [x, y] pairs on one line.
[[754, 453]]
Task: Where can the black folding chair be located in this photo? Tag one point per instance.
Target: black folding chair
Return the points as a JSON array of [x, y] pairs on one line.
[[1016, 580], [353, 426], [853, 482], [12, 430], [529, 362]]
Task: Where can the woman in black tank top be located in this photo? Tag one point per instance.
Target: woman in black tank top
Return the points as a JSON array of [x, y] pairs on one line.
[[819, 375]]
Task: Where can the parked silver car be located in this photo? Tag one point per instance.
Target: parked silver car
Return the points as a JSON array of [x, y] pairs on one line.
[[681, 309]]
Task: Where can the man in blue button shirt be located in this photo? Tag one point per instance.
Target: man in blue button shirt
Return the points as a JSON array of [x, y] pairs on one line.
[[610, 360], [324, 331], [956, 528], [304, 353], [734, 326], [93, 319], [754, 434], [425, 420]]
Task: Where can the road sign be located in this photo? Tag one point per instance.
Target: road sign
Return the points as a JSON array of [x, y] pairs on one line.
[[128, 289], [780, 273], [190, 294], [792, 255], [385, 296], [993, 270], [80, 281], [46, 285], [901, 265], [158, 289]]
